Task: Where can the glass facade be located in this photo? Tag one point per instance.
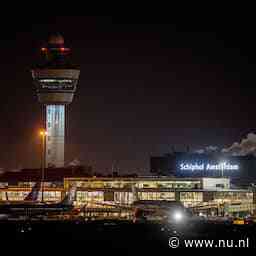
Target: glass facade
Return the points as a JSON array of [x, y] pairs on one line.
[[19, 195], [140, 184], [123, 197], [189, 191], [233, 196], [190, 199], [83, 197], [170, 196]]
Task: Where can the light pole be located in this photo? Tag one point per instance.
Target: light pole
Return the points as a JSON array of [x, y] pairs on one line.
[[43, 135]]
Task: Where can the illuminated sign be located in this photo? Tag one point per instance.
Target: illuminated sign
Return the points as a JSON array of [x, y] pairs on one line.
[[208, 167]]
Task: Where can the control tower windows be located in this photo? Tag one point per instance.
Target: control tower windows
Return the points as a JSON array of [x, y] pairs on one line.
[[56, 84]]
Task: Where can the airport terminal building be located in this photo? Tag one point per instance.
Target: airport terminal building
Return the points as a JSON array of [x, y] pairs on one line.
[[190, 191], [196, 180], [91, 190]]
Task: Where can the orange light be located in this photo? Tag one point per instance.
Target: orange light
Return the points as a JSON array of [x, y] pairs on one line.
[[43, 133], [62, 49], [43, 49]]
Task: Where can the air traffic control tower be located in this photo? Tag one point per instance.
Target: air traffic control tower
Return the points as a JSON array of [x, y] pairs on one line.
[[56, 79]]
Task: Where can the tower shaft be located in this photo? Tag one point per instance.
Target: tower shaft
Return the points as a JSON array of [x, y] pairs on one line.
[[55, 127]]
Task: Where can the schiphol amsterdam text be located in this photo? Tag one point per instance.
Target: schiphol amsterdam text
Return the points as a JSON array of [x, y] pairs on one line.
[[207, 166]]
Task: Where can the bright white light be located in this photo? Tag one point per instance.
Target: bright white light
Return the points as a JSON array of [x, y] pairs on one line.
[[55, 80], [178, 216]]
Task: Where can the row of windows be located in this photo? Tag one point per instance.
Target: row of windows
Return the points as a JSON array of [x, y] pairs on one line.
[[233, 195], [191, 196], [170, 196], [141, 185], [128, 197], [186, 197], [56, 80], [56, 86], [20, 195]]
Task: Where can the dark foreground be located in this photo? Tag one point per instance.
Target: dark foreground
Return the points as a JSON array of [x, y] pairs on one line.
[[122, 235]]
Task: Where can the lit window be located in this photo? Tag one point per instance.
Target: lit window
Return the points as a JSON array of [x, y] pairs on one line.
[[55, 80]]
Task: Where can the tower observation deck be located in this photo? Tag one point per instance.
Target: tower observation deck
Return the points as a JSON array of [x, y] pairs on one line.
[[55, 78]]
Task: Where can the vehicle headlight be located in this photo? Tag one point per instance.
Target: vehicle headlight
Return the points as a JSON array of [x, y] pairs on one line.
[[178, 216]]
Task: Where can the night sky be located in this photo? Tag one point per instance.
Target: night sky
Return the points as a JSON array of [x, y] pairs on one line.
[[145, 87]]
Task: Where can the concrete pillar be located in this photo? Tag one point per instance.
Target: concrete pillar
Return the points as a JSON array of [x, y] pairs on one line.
[[177, 196]]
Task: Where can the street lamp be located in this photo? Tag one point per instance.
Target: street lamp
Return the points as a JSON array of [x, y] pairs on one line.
[[43, 135]]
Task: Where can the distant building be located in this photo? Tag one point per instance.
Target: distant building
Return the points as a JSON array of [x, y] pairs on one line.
[[185, 164]]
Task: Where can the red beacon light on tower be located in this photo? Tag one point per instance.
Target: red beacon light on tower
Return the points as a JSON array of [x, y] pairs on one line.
[[64, 49]]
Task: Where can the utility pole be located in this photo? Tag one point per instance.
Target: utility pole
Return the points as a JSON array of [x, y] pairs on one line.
[[43, 135]]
